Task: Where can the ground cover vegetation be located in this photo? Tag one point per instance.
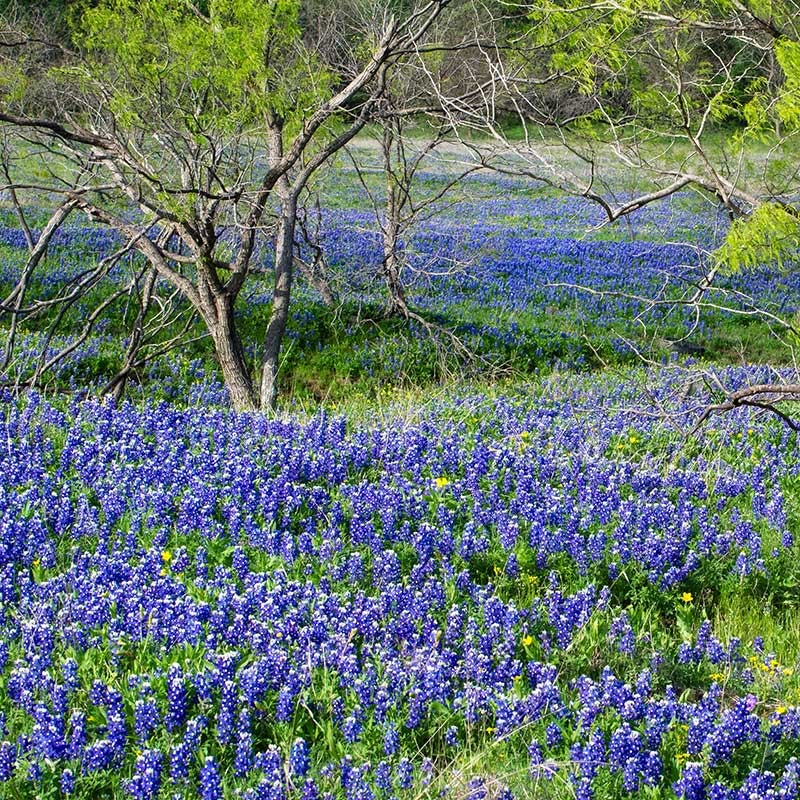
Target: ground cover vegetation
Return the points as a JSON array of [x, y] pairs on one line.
[[483, 550]]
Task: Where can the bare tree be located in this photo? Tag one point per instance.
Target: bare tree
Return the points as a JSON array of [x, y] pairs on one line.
[[175, 130], [679, 96]]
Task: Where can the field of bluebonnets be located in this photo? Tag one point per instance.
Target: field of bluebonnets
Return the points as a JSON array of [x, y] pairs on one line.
[[522, 584]]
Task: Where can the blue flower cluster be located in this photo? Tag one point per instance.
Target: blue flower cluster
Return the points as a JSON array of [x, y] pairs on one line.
[[496, 269], [194, 602]]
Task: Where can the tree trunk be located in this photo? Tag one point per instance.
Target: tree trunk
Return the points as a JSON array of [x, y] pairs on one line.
[[316, 275], [323, 286], [273, 338], [392, 259], [396, 305], [116, 386], [230, 354]]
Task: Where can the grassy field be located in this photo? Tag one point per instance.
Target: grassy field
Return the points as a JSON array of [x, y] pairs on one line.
[[504, 569]]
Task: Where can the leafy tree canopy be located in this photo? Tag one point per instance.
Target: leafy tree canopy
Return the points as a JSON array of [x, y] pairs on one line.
[[709, 90], [224, 64]]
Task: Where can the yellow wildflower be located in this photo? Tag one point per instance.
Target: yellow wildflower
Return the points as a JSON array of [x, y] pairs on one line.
[[687, 597], [441, 482]]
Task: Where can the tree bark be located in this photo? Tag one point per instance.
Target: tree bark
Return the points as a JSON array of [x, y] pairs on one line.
[[317, 277], [273, 338], [396, 305], [392, 259], [230, 354], [116, 386]]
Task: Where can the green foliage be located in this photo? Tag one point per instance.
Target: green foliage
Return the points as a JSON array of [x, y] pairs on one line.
[[663, 70], [787, 54], [166, 61], [771, 234]]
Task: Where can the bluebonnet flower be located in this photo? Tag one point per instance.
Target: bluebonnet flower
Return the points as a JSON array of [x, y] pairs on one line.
[[351, 729], [8, 760], [210, 786], [310, 790], [553, 735], [183, 752], [226, 715], [78, 735], [299, 762], [176, 698], [48, 733], [476, 789], [404, 772], [691, 784], [270, 763], [66, 781], [117, 727], [244, 759], [270, 790], [146, 718], [98, 756], [146, 781], [391, 741], [383, 777]]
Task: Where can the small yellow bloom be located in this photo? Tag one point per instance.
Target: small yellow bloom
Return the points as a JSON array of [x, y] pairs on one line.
[[781, 710], [163, 572], [527, 641], [788, 671], [166, 556], [525, 435], [687, 597], [442, 482], [633, 440]]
